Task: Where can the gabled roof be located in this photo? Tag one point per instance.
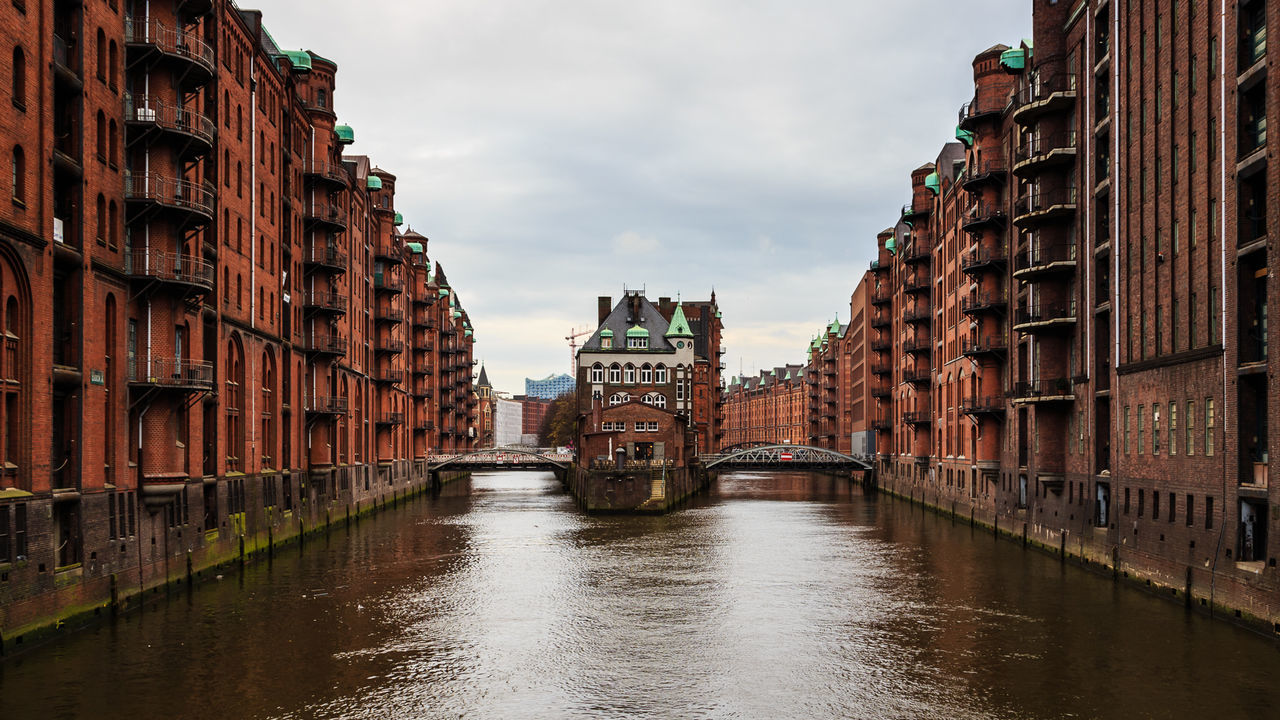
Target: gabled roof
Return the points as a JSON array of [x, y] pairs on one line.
[[679, 325], [622, 324], [483, 380]]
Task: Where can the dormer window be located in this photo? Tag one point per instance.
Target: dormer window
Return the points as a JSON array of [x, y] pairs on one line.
[[637, 338], [606, 339]]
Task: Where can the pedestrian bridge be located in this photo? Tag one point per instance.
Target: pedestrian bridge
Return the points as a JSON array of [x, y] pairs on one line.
[[784, 456], [502, 459]]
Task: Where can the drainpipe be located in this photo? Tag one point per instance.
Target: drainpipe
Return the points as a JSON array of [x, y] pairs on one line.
[[253, 196], [1222, 269]]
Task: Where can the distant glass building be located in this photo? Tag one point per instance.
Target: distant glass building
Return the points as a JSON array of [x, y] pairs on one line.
[[549, 387]]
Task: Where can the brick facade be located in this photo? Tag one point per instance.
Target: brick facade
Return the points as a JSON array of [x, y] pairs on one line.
[[209, 307]]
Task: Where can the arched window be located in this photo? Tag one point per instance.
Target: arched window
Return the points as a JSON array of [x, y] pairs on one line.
[[660, 374], [655, 399], [19, 174], [113, 226], [619, 398], [113, 143], [19, 78], [102, 218], [646, 374], [615, 373], [226, 108], [113, 64], [597, 373], [629, 374], [14, 377], [102, 136]]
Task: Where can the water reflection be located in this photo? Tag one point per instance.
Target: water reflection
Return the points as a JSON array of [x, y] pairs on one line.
[[777, 595]]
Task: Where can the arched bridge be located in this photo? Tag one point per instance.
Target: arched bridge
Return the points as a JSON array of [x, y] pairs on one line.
[[503, 459], [785, 456]]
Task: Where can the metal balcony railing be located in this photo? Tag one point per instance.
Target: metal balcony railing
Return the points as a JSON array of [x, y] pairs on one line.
[[170, 192], [175, 42], [325, 405], [332, 172], [170, 372], [151, 109], [171, 267]]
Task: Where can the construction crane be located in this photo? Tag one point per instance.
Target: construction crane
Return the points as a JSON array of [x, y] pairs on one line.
[[572, 337]]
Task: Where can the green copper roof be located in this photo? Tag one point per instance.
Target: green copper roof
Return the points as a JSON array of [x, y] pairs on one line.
[[891, 245], [834, 327], [457, 314], [718, 315], [933, 182], [345, 134], [466, 333], [788, 376], [399, 219], [637, 332], [679, 325], [453, 301], [414, 247], [1013, 59], [444, 291], [606, 333], [964, 136], [373, 183], [301, 59]]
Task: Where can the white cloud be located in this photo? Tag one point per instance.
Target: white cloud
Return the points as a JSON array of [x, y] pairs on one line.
[[756, 147]]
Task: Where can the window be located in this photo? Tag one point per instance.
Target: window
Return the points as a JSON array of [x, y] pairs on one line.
[[19, 174], [653, 426], [1155, 429], [655, 399], [19, 78], [646, 374], [660, 374], [1126, 501], [1208, 426], [1191, 426], [1142, 501], [102, 55], [1155, 504], [1190, 509], [637, 343], [1173, 506], [597, 373], [640, 426], [615, 374], [1208, 512], [1173, 428], [629, 374], [619, 398], [1141, 424], [101, 126], [1126, 429]]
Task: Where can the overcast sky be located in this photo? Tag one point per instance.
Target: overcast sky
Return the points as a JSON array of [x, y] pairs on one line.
[[554, 151]]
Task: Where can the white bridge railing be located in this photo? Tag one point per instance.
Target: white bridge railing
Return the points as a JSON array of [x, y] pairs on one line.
[[501, 457]]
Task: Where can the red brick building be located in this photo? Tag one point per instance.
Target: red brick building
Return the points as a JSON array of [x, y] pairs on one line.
[[214, 327], [1070, 329], [771, 408]]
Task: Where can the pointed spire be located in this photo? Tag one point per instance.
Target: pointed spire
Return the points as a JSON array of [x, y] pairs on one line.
[[679, 325]]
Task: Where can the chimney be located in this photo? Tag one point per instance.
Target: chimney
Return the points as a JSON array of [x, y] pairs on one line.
[[666, 307], [605, 304]]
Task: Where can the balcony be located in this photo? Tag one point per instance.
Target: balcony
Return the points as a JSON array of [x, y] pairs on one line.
[[389, 375], [981, 303], [980, 174], [331, 344], [1038, 153], [881, 424], [187, 271], [1045, 317], [423, 319], [325, 302], [917, 417], [881, 345], [389, 346], [323, 405], [992, 345], [325, 213], [422, 390], [983, 216], [325, 255], [388, 283], [1053, 390], [918, 316], [1041, 96], [881, 391], [982, 258], [170, 373], [388, 252], [880, 369], [913, 286], [334, 174], [985, 405], [1037, 208], [917, 347], [422, 367], [154, 41], [881, 296], [389, 315], [917, 377], [881, 320], [183, 197], [916, 253], [910, 213], [1044, 260], [389, 418], [973, 112], [879, 267], [146, 113]]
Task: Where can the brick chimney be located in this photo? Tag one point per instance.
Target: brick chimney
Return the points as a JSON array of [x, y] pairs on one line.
[[605, 304]]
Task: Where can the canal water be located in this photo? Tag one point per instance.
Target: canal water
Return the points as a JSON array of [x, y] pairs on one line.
[[774, 596]]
